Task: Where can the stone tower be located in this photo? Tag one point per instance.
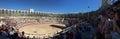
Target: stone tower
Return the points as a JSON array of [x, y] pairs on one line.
[[31, 10]]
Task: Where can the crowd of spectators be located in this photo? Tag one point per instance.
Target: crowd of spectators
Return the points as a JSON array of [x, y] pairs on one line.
[[9, 31], [103, 25]]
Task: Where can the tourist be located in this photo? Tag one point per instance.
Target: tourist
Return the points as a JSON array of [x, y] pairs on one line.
[[22, 36]]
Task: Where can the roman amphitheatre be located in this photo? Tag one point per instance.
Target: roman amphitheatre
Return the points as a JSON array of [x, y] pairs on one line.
[[38, 27], [33, 23]]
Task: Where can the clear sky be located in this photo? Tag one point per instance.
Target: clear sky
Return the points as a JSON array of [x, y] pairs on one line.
[[58, 6]]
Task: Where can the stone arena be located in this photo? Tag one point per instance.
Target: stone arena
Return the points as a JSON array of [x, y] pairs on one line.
[[38, 27], [32, 23]]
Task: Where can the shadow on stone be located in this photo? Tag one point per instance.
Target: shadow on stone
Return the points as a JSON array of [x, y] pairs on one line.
[[58, 26]]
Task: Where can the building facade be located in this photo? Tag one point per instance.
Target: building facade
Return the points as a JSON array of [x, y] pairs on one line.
[[10, 12]]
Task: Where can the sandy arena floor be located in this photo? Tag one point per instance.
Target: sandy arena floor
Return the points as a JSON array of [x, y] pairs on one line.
[[41, 30]]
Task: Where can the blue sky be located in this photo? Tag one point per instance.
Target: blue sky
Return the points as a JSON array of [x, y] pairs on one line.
[[58, 6]]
